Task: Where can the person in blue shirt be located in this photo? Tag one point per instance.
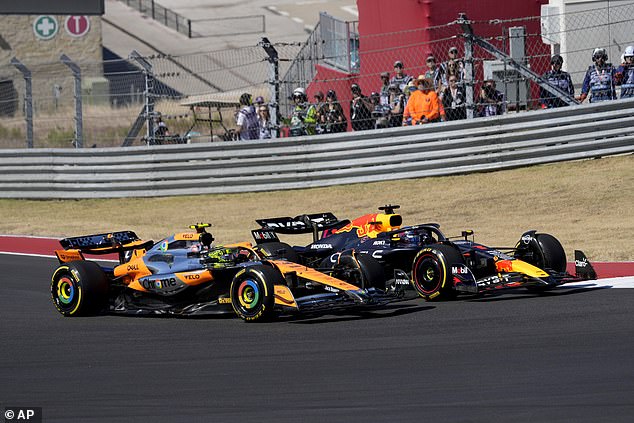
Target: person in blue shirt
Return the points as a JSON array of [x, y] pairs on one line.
[[558, 78], [625, 73], [599, 81]]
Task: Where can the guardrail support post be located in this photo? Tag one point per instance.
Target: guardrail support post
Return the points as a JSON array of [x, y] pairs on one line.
[[148, 93], [79, 130], [28, 100], [468, 63], [274, 82]]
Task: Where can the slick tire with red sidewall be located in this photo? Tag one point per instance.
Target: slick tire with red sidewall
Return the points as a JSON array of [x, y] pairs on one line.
[[431, 272], [79, 288]]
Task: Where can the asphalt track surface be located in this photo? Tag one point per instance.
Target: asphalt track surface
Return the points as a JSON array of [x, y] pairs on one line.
[[562, 357]]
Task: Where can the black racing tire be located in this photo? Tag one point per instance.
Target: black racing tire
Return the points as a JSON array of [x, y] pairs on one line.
[[79, 288], [253, 293], [431, 272], [278, 250], [366, 273], [547, 253]]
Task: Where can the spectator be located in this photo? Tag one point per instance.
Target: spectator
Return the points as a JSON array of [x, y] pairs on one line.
[[490, 100], [360, 110], [259, 100], [453, 100], [558, 78], [436, 74], [380, 112], [423, 105], [400, 78], [264, 122], [318, 105], [298, 122], [160, 128], [333, 119], [385, 88], [453, 69], [247, 120], [397, 106], [599, 80], [453, 57], [625, 73]]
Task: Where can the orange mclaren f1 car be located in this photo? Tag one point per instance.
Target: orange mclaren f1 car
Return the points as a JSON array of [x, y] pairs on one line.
[[185, 275]]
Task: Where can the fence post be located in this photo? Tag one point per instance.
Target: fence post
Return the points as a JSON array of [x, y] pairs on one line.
[[28, 100], [148, 93], [274, 82], [468, 63], [79, 131]]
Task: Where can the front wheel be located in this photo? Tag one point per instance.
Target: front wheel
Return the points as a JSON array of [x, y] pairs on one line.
[[253, 292], [431, 272], [542, 250], [79, 288]]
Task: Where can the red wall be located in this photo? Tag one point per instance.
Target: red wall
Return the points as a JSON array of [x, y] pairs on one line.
[[403, 21]]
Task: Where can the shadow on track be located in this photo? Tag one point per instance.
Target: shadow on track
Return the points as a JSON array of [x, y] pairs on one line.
[[350, 315], [511, 295]]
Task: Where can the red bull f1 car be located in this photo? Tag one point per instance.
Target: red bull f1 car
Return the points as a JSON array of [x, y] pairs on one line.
[[184, 274], [422, 257]]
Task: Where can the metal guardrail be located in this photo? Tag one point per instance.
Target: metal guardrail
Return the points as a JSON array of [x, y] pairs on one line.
[[484, 144], [161, 14]]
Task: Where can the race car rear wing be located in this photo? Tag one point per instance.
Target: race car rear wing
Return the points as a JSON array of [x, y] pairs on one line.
[[303, 224], [113, 242]]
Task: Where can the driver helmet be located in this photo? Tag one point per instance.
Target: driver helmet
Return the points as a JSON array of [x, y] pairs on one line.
[[411, 238]]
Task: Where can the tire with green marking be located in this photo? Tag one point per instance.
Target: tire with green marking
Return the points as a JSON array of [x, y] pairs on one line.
[[79, 288], [431, 272], [252, 292]]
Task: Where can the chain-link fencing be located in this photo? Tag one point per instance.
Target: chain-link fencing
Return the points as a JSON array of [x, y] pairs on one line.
[[197, 94]]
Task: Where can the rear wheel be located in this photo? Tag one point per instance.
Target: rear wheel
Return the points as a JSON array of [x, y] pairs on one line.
[[253, 292], [278, 250], [431, 272], [360, 270], [79, 288]]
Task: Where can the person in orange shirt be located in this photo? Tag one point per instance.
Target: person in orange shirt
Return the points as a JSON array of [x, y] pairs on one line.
[[423, 105]]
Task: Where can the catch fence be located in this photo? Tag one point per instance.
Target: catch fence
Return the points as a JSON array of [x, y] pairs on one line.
[[115, 92]]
